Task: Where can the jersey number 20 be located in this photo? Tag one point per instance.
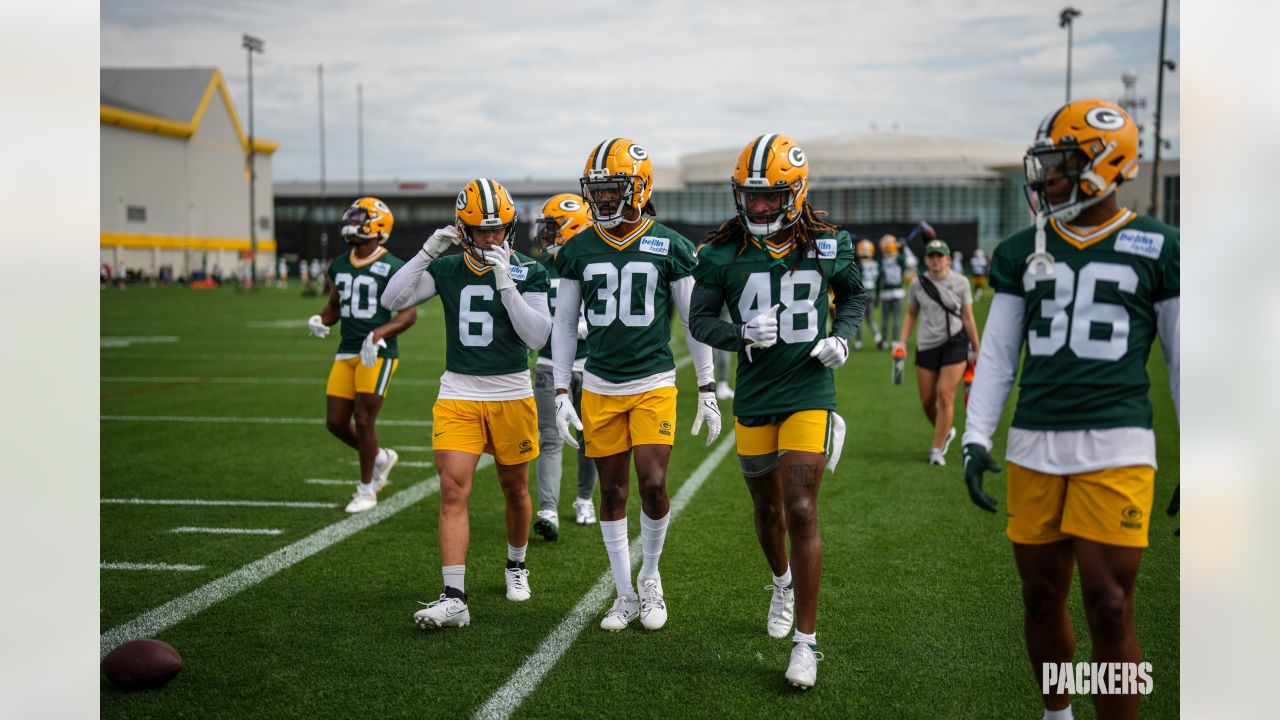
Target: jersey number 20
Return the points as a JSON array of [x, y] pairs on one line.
[[357, 297]]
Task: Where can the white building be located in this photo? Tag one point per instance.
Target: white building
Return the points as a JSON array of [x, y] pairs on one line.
[[175, 174]]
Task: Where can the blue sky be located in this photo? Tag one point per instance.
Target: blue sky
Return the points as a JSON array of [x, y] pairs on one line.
[[517, 90]]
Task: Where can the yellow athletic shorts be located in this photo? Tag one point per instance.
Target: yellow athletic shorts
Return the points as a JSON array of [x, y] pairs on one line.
[[804, 431], [615, 423], [506, 429], [979, 280], [1110, 506], [348, 377]]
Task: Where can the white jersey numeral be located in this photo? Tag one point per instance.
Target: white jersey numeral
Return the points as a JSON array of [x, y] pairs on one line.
[[357, 296], [1072, 324], [615, 300], [757, 296], [475, 327]]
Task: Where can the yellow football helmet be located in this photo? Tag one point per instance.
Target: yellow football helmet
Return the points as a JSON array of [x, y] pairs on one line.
[[1093, 144], [367, 219], [563, 216], [771, 165], [618, 175], [484, 204], [889, 245], [866, 249]]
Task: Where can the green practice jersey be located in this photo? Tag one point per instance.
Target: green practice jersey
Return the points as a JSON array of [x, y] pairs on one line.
[[548, 263], [892, 275], [781, 379], [1089, 327], [626, 290], [360, 283], [479, 337]]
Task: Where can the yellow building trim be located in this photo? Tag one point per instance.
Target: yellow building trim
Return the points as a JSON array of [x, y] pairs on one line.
[[144, 122], [181, 242]]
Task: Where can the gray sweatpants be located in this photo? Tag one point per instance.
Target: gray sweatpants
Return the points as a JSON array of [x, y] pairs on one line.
[[891, 318], [868, 318], [549, 444]]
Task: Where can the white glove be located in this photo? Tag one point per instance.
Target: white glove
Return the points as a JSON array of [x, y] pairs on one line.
[[831, 351], [761, 330], [316, 326], [582, 326], [369, 351], [499, 258], [708, 411], [566, 416], [440, 241]]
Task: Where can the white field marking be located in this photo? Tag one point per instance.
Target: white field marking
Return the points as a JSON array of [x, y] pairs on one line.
[[525, 680], [226, 503], [276, 324], [317, 381], [413, 448], [155, 621], [206, 356], [127, 340], [330, 481], [227, 531], [149, 566], [404, 463], [249, 420]]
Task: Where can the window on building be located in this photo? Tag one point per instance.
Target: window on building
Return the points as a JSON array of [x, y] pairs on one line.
[[136, 213]]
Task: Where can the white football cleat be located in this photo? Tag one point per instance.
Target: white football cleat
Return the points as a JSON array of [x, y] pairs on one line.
[[624, 610], [362, 501], [653, 609], [382, 469], [803, 670], [857, 344], [518, 584], [723, 391], [946, 444], [547, 525], [936, 458], [443, 613], [782, 610], [585, 511]]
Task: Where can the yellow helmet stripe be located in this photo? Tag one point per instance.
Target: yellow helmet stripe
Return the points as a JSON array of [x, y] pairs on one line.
[[759, 153], [488, 198], [602, 153]]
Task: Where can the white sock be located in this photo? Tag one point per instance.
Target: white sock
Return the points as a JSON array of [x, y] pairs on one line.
[[784, 579], [382, 456], [653, 533], [516, 554], [455, 577], [367, 488], [810, 639], [1063, 714], [615, 543]]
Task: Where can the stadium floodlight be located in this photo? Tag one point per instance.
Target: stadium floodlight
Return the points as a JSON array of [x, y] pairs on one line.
[[1066, 19], [252, 45]]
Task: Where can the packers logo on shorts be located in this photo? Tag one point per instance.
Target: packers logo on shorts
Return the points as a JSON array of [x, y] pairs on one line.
[[1132, 517], [526, 446], [664, 428]]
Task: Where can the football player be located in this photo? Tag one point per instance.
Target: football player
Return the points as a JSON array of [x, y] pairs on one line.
[[627, 272], [495, 311], [1086, 290], [978, 270], [563, 216], [870, 271], [368, 355], [890, 288], [773, 265]]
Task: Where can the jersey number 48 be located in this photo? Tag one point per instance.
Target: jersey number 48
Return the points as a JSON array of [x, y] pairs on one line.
[[797, 293]]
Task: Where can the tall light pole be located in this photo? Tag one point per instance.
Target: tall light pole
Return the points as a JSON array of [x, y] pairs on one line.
[[252, 45], [1164, 65], [360, 136], [324, 235], [1066, 19]]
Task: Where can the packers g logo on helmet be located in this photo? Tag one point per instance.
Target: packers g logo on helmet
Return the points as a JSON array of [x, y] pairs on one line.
[[367, 219], [1093, 144], [618, 177], [866, 249], [484, 204], [563, 216], [889, 245], [773, 166]]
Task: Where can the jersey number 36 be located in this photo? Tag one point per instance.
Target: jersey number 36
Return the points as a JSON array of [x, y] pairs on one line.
[[1077, 321]]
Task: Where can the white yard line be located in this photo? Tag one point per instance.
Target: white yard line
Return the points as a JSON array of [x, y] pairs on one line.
[[412, 448], [156, 621], [227, 531], [249, 420], [405, 463], [504, 702], [331, 481], [225, 503], [150, 566], [318, 381]]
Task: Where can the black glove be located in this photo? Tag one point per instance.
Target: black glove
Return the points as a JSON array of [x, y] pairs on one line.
[[1174, 505], [977, 461]]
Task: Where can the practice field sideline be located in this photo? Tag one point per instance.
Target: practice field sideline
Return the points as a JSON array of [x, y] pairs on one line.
[[203, 452]]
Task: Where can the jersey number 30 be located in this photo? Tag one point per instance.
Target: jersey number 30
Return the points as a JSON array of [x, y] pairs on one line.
[[357, 297], [1078, 322], [797, 292]]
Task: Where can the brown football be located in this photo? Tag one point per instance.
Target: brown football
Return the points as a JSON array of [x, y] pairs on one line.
[[140, 664]]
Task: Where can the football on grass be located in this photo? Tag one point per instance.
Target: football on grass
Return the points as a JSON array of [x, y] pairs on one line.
[[140, 664]]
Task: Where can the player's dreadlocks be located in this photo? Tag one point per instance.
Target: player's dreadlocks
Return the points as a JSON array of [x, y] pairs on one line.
[[805, 231]]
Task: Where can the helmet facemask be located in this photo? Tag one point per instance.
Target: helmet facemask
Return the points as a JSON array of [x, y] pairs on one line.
[[546, 233], [1047, 166], [782, 212], [355, 226], [608, 197], [469, 243]]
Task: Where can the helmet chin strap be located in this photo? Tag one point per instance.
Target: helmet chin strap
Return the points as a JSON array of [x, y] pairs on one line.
[[1041, 257]]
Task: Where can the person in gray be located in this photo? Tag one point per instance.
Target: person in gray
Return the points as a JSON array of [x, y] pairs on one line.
[[941, 302]]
